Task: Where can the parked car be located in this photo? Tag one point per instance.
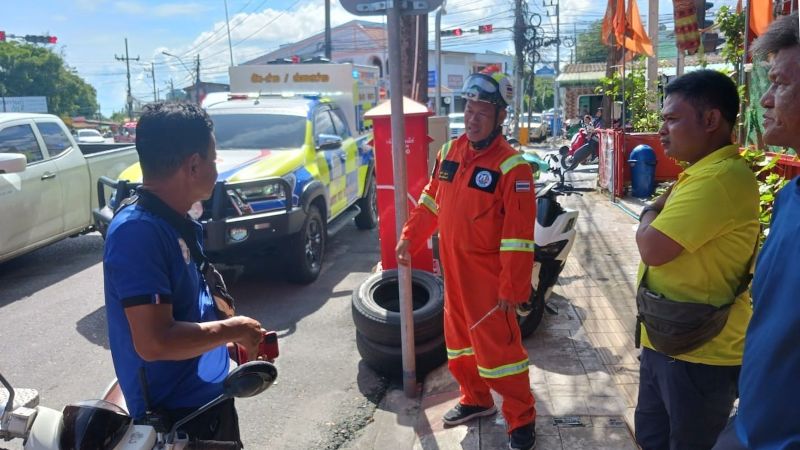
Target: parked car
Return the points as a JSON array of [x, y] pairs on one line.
[[48, 183], [456, 124], [89, 136], [538, 127]]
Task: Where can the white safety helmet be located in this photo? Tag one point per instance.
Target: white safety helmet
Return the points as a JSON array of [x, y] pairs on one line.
[[495, 88]]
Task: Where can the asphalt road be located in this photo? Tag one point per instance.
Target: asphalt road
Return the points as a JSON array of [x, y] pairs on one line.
[[53, 337]]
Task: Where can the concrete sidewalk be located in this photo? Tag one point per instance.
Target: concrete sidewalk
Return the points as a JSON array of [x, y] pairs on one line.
[[584, 370]]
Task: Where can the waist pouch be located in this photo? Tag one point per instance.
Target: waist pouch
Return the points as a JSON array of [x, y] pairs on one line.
[[676, 327]]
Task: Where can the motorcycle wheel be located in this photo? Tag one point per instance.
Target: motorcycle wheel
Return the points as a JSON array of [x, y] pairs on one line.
[[528, 324]]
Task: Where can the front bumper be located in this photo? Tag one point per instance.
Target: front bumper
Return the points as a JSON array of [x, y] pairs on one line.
[[224, 231]]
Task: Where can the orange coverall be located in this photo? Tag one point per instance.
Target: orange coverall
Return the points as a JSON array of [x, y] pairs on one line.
[[485, 206]]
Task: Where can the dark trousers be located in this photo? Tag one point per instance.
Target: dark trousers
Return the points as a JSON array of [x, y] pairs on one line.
[[220, 423], [682, 405]]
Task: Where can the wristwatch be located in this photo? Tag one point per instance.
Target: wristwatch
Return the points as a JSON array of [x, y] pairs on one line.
[[647, 209]]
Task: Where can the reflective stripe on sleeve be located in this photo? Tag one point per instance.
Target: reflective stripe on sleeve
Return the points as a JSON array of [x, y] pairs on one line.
[[444, 150], [429, 203], [516, 245], [512, 162], [504, 371], [453, 354]]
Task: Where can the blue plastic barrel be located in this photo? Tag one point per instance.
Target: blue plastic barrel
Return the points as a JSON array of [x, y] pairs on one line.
[[643, 171]]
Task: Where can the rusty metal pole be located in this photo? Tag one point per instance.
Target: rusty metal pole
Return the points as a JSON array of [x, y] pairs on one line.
[[401, 198]]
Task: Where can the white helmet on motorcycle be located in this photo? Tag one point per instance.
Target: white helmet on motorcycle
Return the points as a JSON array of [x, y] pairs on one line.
[[490, 87]]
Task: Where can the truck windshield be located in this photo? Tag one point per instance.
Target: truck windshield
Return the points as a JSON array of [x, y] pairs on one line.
[[258, 131]]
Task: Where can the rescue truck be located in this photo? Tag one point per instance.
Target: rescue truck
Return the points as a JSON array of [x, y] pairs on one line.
[[294, 164]]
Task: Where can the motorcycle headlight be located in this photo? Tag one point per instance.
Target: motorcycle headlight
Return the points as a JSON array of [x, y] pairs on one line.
[[550, 250]]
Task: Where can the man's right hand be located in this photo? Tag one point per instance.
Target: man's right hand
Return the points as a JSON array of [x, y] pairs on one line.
[[248, 333], [401, 252]]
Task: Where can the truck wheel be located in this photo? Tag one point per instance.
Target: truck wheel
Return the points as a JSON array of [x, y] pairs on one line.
[[387, 360], [367, 219], [376, 307], [528, 324], [307, 248]]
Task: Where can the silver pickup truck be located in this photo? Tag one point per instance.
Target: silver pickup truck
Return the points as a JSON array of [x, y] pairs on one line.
[[48, 183]]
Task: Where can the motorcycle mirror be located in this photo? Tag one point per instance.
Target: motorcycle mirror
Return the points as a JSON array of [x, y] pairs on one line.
[[249, 379]]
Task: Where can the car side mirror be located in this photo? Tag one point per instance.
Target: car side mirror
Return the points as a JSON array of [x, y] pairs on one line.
[[12, 162], [328, 142]]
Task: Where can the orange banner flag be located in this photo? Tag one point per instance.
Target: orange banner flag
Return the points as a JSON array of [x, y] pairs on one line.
[[636, 39], [614, 23], [760, 16]]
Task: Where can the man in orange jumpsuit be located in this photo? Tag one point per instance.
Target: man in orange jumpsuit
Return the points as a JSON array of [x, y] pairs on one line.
[[481, 196]]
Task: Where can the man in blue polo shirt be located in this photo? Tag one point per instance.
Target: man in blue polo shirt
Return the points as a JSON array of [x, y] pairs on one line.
[[169, 348], [769, 392]]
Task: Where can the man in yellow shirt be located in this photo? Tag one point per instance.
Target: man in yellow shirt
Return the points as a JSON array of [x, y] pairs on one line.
[[696, 243]]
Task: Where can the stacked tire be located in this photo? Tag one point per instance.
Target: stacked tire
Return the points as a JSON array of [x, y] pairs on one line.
[[376, 314]]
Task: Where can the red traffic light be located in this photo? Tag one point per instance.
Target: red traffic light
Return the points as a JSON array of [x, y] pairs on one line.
[[2, 35], [457, 32], [52, 39], [295, 59], [485, 28]]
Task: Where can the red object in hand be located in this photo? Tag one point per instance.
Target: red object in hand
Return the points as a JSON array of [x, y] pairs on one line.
[[268, 348]]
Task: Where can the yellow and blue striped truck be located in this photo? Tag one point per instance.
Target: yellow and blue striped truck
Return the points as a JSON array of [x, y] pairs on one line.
[[294, 168]]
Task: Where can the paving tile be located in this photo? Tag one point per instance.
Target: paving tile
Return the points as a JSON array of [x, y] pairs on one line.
[[559, 378], [594, 438], [439, 381], [630, 393], [545, 426], [604, 405], [573, 389], [456, 438], [625, 374], [603, 388], [431, 411], [569, 405]]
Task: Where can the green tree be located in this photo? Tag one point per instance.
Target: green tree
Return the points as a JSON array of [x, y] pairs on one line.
[[119, 116], [30, 70], [589, 48]]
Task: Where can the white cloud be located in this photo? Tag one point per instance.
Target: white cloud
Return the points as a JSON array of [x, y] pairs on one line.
[[162, 10]]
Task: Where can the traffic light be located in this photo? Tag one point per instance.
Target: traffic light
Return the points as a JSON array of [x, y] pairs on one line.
[[2, 35], [453, 32], [482, 29], [40, 39]]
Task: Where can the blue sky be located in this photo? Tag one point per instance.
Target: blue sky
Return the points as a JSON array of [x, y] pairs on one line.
[[92, 32]]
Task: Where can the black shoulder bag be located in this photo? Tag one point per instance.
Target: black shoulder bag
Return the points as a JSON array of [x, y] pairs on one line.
[[678, 327]]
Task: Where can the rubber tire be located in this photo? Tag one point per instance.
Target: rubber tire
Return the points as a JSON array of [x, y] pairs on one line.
[[529, 323], [299, 270], [381, 325], [367, 219], [387, 360]]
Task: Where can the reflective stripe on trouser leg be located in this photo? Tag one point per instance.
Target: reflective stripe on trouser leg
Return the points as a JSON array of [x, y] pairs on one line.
[[461, 355]]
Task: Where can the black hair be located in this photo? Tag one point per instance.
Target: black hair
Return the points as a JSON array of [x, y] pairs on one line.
[[167, 133], [707, 89], [783, 33]]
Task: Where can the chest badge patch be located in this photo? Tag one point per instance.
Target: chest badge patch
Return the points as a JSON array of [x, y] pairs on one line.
[[187, 255], [447, 170], [484, 179]]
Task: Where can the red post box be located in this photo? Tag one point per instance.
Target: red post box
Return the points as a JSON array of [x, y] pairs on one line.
[[417, 170]]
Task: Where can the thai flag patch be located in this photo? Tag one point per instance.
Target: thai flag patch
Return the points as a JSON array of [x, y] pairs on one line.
[[522, 186]]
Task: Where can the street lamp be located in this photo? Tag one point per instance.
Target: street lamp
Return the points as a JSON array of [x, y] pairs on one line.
[[196, 73]]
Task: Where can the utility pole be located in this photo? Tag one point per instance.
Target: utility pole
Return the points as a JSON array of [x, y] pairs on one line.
[[153, 75], [519, 61], [438, 32], [557, 89], [328, 44], [197, 81], [228, 24], [171, 90], [128, 66], [414, 51], [652, 62]]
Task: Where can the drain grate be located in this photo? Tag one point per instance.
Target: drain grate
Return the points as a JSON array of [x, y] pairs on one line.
[[568, 421]]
